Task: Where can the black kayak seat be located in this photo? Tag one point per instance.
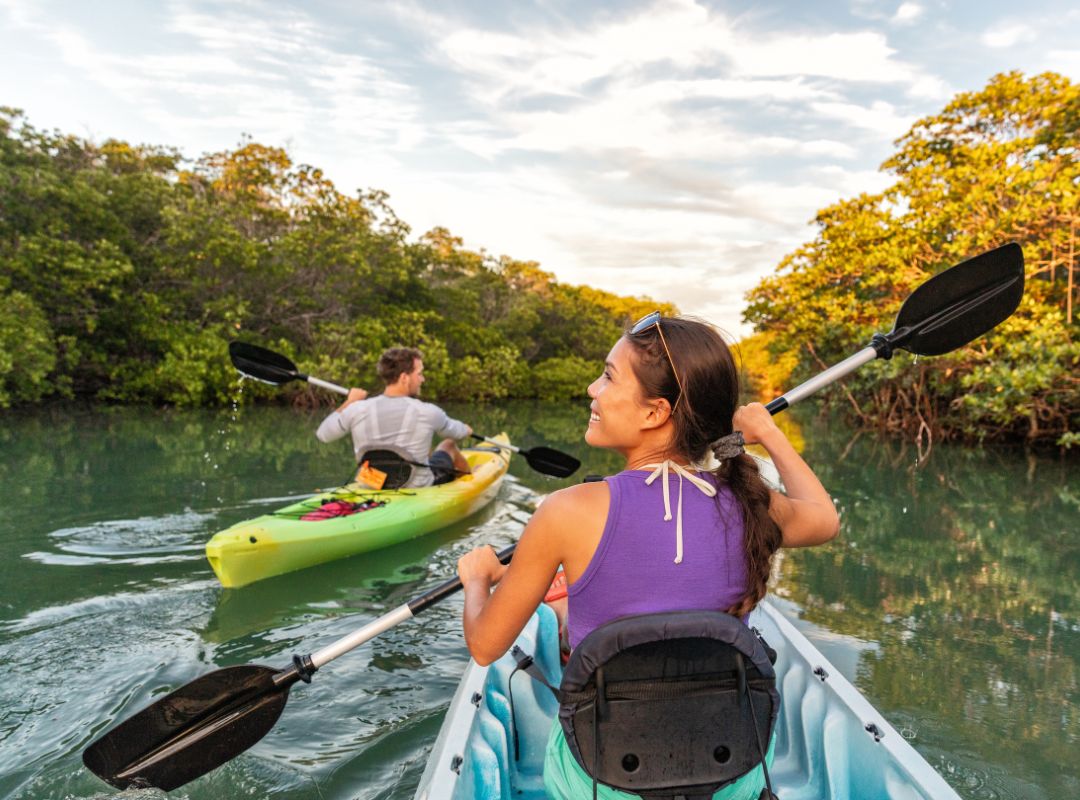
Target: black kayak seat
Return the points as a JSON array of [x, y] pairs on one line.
[[671, 705], [396, 464]]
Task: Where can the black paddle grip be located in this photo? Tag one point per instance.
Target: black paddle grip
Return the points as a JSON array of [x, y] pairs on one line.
[[777, 405], [444, 590], [882, 344], [301, 669]]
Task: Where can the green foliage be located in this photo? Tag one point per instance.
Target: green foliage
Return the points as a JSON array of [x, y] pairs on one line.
[[492, 375], [127, 270], [994, 166], [561, 379], [27, 349]]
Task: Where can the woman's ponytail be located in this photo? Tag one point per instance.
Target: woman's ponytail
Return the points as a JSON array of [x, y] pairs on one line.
[[762, 534]]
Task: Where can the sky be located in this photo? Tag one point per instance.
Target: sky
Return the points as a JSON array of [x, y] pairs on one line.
[[675, 149]]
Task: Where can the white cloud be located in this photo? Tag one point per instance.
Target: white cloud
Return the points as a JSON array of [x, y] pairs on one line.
[[879, 117], [849, 183], [272, 74], [907, 14], [1067, 62], [1008, 34], [851, 57]]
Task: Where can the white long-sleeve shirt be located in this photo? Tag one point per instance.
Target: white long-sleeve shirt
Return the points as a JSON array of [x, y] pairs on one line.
[[402, 422]]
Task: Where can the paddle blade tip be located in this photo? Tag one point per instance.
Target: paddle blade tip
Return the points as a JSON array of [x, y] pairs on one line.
[[190, 731], [961, 303]]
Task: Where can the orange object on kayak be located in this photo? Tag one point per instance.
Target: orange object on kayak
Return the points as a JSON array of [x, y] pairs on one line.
[[557, 590]]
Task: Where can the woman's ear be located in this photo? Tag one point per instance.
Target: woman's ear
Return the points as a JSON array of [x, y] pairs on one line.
[[659, 412]]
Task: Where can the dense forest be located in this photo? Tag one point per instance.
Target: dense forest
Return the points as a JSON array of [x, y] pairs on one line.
[[125, 271], [998, 165]]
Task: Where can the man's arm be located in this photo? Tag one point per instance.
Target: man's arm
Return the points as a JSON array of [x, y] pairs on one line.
[[338, 423], [451, 428], [355, 394]]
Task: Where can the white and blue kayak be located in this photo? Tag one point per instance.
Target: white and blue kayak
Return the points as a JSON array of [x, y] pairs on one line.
[[831, 743]]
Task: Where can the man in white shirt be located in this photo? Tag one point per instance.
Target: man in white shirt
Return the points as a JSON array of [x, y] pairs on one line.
[[398, 420]]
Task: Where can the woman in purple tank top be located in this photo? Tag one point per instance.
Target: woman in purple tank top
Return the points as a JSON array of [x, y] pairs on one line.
[[668, 533]]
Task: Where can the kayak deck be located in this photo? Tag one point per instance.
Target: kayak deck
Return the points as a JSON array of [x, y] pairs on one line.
[[831, 743], [281, 542]]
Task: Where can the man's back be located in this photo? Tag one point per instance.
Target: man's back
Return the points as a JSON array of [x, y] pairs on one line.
[[404, 423]]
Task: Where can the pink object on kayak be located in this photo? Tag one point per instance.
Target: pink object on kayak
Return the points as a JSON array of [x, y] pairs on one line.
[[340, 508]]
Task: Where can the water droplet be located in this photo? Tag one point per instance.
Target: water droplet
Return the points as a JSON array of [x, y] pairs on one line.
[[916, 361]]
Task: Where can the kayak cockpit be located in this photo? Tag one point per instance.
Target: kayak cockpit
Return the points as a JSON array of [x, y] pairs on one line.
[[830, 741]]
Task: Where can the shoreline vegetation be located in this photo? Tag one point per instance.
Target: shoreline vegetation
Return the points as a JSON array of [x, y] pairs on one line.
[[126, 269], [998, 165]]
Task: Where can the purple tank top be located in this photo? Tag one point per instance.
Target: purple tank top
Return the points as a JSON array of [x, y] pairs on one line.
[[633, 569]]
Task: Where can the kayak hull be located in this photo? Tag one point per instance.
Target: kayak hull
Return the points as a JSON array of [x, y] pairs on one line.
[[281, 542], [830, 741]]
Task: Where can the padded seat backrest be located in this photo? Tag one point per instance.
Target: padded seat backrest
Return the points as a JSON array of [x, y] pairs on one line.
[[667, 705]]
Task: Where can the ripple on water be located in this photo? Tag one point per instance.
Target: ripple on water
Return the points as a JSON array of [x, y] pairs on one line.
[[974, 779], [83, 666], [143, 540], [363, 729]]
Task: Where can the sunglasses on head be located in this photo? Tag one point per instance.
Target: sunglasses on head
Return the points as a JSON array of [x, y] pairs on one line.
[[644, 324]]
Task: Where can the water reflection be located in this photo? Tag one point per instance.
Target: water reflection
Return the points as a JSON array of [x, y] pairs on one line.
[[965, 573]]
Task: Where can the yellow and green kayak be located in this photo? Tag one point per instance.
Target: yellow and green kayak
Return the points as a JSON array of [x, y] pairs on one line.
[[284, 540]]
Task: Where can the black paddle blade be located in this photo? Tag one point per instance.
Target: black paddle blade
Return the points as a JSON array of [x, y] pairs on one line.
[[551, 462], [262, 364], [961, 303], [191, 731]]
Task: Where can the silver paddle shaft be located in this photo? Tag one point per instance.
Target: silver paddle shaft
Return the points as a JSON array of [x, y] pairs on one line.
[[357, 638], [497, 443], [400, 614], [823, 379], [333, 387]]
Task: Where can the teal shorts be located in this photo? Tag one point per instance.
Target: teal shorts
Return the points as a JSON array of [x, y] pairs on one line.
[[564, 779]]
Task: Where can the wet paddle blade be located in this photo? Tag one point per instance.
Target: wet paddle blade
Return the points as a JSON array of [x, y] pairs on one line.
[[551, 462], [961, 303], [262, 364], [191, 731]]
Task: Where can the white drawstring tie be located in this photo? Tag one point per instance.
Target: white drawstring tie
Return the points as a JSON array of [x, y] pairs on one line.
[[663, 469]]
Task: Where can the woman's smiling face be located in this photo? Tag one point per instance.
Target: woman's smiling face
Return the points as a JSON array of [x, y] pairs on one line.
[[618, 408]]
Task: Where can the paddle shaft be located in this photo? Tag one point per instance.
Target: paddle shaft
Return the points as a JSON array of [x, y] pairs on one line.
[[496, 442], [822, 379], [390, 619], [333, 387]]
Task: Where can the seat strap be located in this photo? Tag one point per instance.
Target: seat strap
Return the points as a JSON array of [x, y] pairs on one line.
[[744, 688], [527, 664]]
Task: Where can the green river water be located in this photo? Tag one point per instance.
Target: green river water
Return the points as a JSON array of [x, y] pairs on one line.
[[951, 598]]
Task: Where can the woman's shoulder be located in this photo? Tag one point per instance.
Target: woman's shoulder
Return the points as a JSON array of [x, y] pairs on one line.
[[579, 503]]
